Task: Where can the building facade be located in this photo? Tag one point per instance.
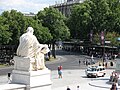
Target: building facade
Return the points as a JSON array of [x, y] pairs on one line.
[[65, 7]]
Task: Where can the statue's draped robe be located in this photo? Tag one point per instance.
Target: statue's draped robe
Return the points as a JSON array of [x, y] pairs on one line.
[[30, 47]]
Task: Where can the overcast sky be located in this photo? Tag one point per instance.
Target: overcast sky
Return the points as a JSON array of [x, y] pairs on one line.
[[25, 5]]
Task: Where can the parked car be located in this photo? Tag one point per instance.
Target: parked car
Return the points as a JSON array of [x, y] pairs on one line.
[[95, 71]]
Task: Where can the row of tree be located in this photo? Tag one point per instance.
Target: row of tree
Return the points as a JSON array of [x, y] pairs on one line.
[[51, 26], [95, 16], [48, 25]]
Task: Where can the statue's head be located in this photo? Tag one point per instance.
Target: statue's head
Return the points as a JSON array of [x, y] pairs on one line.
[[30, 30]]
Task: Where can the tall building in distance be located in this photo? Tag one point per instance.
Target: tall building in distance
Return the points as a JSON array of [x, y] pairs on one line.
[[69, 0], [29, 14], [65, 7]]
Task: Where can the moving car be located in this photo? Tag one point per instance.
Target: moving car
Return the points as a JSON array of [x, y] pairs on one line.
[[95, 71]]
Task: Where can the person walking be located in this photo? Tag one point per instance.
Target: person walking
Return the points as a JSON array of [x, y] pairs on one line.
[[68, 88], [114, 87], [60, 71], [9, 79], [92, 60], [78, 87], [79, 61], [60, 67], [106, 65]]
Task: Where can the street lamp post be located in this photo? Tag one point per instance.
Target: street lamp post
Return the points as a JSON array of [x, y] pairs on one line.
[[103, 44], [118, 47], [91, 36]]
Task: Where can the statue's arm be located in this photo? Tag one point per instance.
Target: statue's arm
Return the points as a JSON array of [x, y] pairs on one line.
[[43, 48]]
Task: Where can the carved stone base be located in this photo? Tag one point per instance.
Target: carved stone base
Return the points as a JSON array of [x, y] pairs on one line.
[[24, 63], [34, 80]]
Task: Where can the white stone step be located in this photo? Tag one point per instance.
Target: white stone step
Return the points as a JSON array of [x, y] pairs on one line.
[[12, 87]]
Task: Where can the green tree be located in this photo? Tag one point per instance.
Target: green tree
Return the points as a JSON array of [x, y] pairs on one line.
[[112, 37], [99, 12], [42, 33], [16, 23], [79, 21], [105, 16], [15, 20], [5, 34], [54, 20], [109, 36], [95, 15]]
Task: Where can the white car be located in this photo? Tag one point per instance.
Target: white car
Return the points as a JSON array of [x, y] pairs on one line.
[[95, 71]]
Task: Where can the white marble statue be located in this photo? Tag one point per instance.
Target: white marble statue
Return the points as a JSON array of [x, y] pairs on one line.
[[31, 48]]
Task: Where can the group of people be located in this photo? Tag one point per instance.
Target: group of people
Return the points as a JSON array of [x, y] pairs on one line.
[[114, 79], [78, 88], [88, 62]]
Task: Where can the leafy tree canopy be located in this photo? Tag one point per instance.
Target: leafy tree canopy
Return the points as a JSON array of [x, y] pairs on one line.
[[96, 16], [13, 24], [54, 20]]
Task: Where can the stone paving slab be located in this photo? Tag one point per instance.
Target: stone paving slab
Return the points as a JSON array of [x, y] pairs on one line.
[[102, 83], [73, 78], [12, 87]]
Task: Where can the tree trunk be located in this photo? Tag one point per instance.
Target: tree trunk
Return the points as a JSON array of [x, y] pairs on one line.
[[53, 50]]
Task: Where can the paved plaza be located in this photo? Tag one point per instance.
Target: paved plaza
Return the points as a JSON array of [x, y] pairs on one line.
[[74, 78]]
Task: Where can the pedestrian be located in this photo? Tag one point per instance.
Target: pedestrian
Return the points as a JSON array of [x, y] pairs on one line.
[[92, 60], [111, 63], [60, 67], [68, 88], [60, 71], [79, 62], [78, 87], [86, 63], [106, 65], [116, 78], [114, 87], [92, 56], [49, 55], [99, 64], [112, 77], [9, 75]]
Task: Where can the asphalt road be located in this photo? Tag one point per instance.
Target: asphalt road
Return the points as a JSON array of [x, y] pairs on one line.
[[6, 70], [71, 69], [68, 60]]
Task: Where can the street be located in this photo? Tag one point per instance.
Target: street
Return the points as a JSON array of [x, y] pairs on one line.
[[73, 73], [69, 60]]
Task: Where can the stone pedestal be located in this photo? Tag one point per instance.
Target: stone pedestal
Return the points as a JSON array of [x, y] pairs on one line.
[[117, 69], [34, 80]]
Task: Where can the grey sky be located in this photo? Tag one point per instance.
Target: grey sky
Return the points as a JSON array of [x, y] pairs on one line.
[[26, 6]]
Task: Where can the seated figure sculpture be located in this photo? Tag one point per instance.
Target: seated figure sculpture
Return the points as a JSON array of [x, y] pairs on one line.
[[31, 48]]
